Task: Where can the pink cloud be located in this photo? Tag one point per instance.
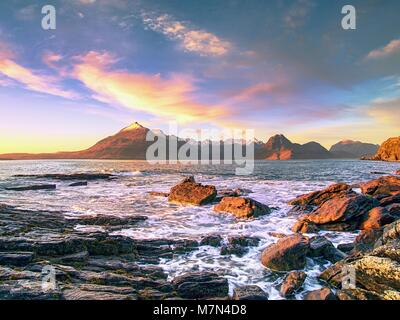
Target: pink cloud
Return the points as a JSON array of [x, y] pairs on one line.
[[391, 48], [171, 97]]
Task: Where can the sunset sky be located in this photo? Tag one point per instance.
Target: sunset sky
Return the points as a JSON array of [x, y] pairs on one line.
[[279, 66]]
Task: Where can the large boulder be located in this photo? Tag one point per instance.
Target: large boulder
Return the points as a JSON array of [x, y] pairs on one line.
[[242, 207], [344, 212], [318, 197], [287, 254], [389, 150], [386, 185], [322, 247], [292, 283], [190, 192]]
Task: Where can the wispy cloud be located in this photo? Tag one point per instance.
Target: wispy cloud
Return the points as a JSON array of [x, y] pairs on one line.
[[191, 39], [391, 48], [171, 97], [32, 80], [386, 111], [297, 14]]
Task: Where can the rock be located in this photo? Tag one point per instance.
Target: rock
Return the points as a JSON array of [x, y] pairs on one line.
[[287, 254], [201, 285], [391, 232], [389, 150], [78, 184], [338, 214], [356, 294], [108, 220], [386, 185], [159, 194], [233, 192], [27, 290], [244, 241], [190, 192], [33, 187], [242, 207], [292, 283], [249, 293], [303, 226], [346, 247], [19, 259], [68, 177], [397, 172], [77, 257], [366, 239], [78, 294], [388, 200], [213, 241], [319, 197], [376, 218], [320, 294], [235, 249], [322, 247]]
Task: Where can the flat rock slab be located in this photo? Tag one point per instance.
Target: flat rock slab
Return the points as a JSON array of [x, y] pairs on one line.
[[34, 187], [190, 192], [68, 177], [249, 293], [16, 258]]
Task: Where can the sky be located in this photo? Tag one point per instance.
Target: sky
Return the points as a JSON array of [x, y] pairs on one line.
[[278, 66]]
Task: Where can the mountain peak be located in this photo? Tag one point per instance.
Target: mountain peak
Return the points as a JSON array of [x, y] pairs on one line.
[[133, 126]]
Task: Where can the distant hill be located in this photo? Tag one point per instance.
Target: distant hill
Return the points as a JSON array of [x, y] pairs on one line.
[[389, 150], [279, 147], [349, 149], [130, 144]]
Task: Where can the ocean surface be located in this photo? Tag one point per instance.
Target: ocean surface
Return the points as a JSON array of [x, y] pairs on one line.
[[273, 183]]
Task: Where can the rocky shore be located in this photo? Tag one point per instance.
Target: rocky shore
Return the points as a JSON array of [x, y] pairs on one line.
[[99, 265]]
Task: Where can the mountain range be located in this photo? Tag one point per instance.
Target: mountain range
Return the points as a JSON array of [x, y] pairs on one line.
[[130, 144]]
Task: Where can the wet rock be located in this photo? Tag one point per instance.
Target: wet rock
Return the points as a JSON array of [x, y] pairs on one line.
[[376, 218], [79, 294], [108, 220], [201, 285], [242, 207], [304, 226], [237, 250], [386, 185], [159, 194], [249, 293], [244, 241], [33, 187], [67, 177], [341, 213], [391, 232], [356, 294], [322, 247], [346, 247], [397, 172], [366, 240], [190, 192], [213, 241], [78, 184], [153, 294], [319, 197], [388, 200], [233, 192], [153, 250], [77, 257], [16, 258], [7, 273], [277, 235], [320, 294], [287, 254], [292, 283], [27, 290]]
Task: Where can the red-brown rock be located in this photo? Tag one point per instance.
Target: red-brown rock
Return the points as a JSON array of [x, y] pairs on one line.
[[287, 254], [190, 192], [321, 294], [242, 207], [318, 197], [376, 218], [292, 283], [386, 185], [389, 150]]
